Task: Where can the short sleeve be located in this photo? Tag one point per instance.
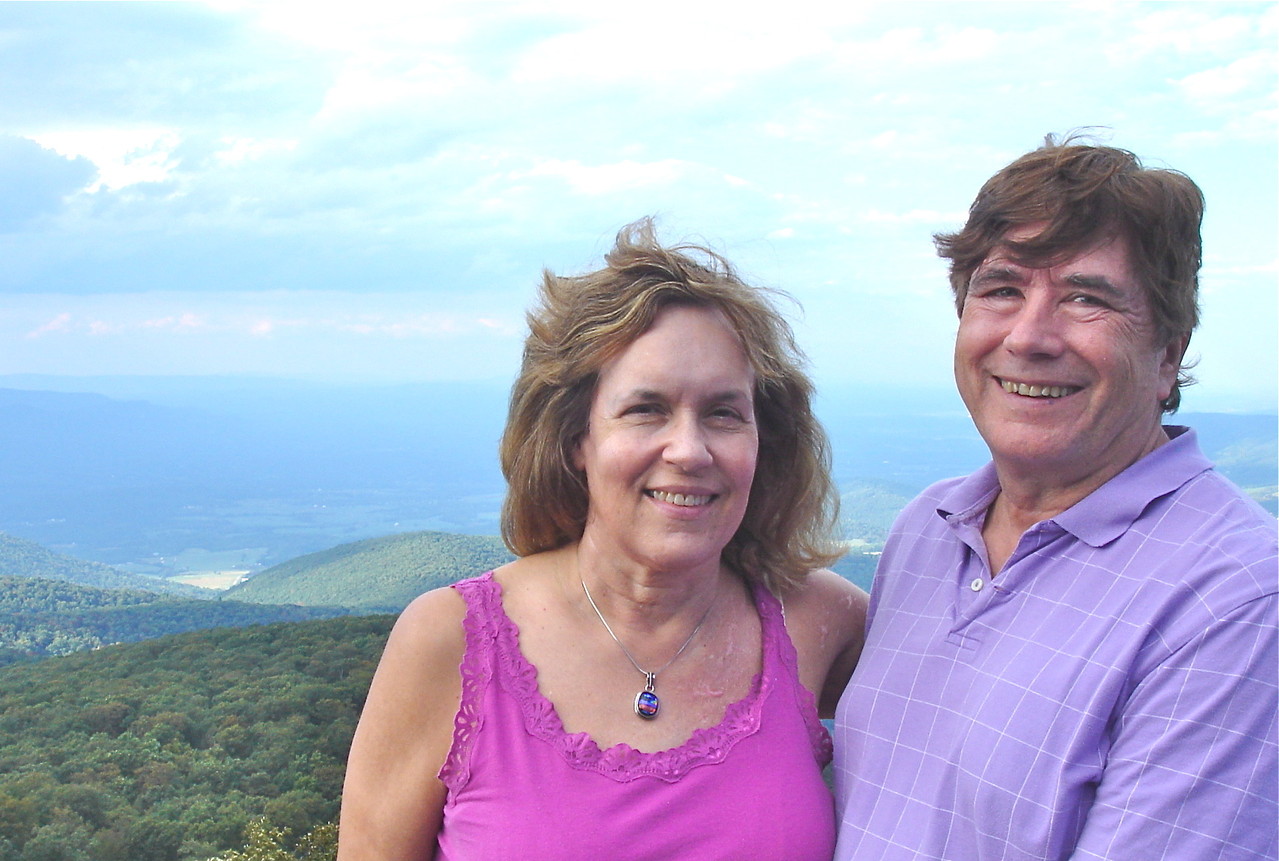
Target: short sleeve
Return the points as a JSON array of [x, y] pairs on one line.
[[1193, 770]]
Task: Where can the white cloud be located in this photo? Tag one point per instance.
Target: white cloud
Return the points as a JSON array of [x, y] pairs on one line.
[[689, 49], [1251, 75], [1217, 276], [259, 314], [60, 323], [182, 322], [914, 216], [123, 156], [400, 174], [237, 150], [917, 49], [609, 178], [361, 28], [102, 327], [1183, 28]]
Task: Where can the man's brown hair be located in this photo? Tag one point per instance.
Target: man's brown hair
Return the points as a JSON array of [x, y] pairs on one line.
[[1083, 195]]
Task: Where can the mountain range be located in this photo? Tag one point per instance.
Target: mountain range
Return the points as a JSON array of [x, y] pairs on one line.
[[187, 719], [152, 474], [377, 574]]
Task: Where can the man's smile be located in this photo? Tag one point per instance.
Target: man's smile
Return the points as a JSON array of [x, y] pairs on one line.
[[1036, 390]]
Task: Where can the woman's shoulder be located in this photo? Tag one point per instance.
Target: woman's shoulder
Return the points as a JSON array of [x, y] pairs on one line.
[[827, 610], [436, 617], [826, 620], [429, 629], [823, 593], [529, 580], [391, 796]]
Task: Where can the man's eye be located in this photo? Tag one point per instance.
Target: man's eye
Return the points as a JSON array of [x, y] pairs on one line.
[[996, 293]]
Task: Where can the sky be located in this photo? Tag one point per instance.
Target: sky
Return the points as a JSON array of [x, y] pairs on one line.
[[369, 193]]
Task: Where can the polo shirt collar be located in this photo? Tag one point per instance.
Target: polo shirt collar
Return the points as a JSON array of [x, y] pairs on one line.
[[1110, 510]]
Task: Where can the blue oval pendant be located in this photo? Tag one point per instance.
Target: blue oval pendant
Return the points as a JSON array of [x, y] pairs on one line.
[[647, 705]]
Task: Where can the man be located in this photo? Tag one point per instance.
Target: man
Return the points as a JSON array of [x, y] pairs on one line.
[[1072, 651]]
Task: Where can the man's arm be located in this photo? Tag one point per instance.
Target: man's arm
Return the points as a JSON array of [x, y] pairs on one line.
[[1194, 767]]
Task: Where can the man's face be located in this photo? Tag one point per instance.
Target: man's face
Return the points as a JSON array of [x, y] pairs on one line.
[[1060, 368]]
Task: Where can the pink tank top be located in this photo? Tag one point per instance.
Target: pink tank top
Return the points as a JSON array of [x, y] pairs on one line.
[[520, 787]]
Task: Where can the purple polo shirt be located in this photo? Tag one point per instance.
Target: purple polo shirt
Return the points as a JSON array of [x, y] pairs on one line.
[[1112, 694]]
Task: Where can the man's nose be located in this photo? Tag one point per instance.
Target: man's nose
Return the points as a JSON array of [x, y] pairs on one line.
[[1036, 328]]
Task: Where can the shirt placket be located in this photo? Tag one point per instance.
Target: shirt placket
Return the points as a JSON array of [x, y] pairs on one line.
[[972, 585]]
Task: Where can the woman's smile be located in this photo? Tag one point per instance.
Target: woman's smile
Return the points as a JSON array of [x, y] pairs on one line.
[[669, 453]]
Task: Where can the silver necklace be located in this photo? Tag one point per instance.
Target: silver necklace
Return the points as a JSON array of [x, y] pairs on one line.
[[647, 705]]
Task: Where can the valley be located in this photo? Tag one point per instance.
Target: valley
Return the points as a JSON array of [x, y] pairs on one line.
[[196, 581]]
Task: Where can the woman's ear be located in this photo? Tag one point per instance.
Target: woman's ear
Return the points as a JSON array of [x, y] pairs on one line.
[[578, 459]]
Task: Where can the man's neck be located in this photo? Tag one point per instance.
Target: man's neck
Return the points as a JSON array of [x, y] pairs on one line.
[[1030, 496]]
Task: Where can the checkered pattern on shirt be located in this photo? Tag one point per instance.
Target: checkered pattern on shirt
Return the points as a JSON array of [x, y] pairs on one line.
[[1112, 694]]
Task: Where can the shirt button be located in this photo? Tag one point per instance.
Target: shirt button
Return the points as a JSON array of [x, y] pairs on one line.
[[976, 584]]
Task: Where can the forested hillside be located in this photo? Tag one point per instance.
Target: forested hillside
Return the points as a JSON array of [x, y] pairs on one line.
[[21, 558], [379, 573], [39, 618], [867, 510], [166, 750]]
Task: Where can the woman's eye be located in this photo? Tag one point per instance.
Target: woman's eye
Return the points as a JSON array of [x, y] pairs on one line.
[[727, 414]]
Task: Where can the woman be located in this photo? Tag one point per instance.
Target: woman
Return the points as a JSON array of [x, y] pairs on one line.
[[629, 687]]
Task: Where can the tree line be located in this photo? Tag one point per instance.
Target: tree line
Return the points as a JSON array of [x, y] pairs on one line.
[[41, 618], [170, 749]]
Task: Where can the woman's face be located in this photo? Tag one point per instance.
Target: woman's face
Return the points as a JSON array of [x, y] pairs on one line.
[[670, 448]]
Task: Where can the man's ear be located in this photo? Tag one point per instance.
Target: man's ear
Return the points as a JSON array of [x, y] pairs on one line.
[[1170, 362]]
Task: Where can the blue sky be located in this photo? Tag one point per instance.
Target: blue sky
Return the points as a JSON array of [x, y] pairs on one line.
[[370, 193]]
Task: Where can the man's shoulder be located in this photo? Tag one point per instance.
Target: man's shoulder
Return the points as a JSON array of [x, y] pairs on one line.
[[922, 525], [1200, 485], [942, 488], [1206, 543], [1211, 505], [955, 492]]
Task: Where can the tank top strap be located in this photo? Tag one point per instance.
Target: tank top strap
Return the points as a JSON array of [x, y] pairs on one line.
[[483, 598], [772, 615]]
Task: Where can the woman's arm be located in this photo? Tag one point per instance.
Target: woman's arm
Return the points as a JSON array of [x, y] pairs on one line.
[[392, 801], [826, 619]]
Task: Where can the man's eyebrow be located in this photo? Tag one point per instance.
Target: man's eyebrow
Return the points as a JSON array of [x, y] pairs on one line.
[[996, 273], [1098, 283], [1001, 272]]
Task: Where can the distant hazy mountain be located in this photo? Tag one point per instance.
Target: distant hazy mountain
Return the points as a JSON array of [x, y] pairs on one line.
[[137, 471], [378, 573], [161, 465], [21, 558], [867, 510], [41, 618]]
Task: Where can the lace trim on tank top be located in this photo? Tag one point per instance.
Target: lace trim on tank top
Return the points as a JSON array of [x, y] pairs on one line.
[[818, 737], [476, 672], [490, 633]]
